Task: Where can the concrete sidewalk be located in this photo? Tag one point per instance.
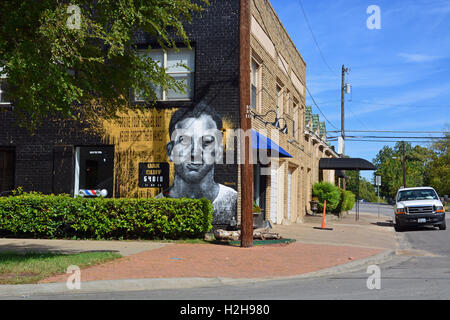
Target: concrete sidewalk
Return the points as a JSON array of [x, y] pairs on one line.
[[150, 265]]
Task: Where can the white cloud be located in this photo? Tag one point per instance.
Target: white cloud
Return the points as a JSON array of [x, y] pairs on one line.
[[405, 98], [418, 58]]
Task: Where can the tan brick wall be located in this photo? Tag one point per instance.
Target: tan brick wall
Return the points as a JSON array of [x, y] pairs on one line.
[[289, 70]]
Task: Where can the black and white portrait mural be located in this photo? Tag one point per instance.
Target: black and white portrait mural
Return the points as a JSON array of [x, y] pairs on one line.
[[195, 147]]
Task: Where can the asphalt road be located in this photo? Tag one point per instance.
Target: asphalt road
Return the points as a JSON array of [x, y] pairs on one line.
[[420, 271], [374, 208]]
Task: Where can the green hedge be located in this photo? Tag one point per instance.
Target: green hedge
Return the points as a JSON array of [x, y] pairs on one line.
[[329, 192], [338, 200], [62, 217], [347, 201]]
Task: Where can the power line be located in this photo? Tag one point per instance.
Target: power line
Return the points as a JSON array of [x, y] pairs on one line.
[[390, 141], [393, 131], [383, 137], [315, 40], [357, 118], [276, 48], [400, 105], [314, 101]]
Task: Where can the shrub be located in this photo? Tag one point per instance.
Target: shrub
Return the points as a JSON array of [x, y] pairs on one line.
[[347, 201], [256, 208], [50, 216], [329, 192]]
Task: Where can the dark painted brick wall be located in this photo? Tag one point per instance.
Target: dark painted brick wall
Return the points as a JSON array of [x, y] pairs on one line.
[[215, 37]]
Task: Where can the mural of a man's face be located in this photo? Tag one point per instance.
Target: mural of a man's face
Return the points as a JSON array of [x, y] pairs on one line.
[[195, 145]]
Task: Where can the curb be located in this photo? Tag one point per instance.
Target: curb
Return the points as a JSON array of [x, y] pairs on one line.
[[105, 286], [177, 283], [343, 268]]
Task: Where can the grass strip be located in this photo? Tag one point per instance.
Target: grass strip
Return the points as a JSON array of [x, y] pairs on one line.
[[28, 268]]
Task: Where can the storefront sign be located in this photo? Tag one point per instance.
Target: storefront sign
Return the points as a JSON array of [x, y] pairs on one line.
[[154, 175]]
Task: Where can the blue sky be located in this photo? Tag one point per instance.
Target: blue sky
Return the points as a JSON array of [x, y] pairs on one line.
[[400, 74]]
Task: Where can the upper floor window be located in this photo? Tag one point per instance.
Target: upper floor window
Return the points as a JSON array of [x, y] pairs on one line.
[[175, 63], [3, 87], [279, 99], [287, 102], [296, 120], [3, 91], [255, 84]]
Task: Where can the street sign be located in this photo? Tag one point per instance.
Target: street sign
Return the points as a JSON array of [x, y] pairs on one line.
[[378, 180]]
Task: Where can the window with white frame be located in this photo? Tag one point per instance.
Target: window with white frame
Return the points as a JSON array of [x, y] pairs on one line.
[[175, 63], [254, 77], [3, 87], [3, 91]]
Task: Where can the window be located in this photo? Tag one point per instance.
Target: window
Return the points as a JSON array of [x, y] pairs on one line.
[[254, 77], [279, 99], [296, 120], [174, 62], [7, 155], [287, 102], [417, 194], [3, 87], [2, 91]]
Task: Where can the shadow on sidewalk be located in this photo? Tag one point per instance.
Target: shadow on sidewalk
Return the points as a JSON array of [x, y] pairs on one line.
[[384, 224], [43, 249], [255, 242]]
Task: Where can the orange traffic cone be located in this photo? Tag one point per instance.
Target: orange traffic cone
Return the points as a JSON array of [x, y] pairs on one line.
[[323, 218]]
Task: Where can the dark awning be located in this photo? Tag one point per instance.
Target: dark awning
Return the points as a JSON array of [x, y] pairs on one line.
[[345, 164]]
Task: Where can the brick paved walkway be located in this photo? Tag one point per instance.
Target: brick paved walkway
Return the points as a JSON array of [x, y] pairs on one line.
[[212, 261]]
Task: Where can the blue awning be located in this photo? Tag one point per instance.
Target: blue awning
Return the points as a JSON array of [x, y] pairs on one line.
[[261, 142]]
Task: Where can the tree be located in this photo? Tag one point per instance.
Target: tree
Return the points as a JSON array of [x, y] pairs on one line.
[[438, 169], [389, 166], [60, 55], [389, 169], [366, 189]]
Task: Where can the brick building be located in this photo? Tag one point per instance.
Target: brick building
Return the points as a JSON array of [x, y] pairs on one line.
[[278, 79], [129, 157]]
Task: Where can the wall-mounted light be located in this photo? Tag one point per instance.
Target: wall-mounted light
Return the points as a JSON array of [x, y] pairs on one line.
[[275, 123], [285, 129]]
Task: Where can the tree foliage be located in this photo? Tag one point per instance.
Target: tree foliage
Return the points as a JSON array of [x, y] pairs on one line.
[[438, 169], [424, 166], [365, 190], [53, 65]]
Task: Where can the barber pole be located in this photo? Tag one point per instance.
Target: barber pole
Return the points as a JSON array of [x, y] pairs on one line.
[[93, 193]]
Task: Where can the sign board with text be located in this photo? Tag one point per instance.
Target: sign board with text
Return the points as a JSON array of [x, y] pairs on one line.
[[154, 175], [378, 180]]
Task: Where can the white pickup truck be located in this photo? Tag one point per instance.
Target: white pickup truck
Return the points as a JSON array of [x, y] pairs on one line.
[[417, 207]]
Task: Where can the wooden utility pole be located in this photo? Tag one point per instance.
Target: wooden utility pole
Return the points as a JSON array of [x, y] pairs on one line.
[[404, 165], [344, 70], [246, 124]]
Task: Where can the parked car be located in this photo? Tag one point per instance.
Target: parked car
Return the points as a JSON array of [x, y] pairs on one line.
[[417, 207]]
